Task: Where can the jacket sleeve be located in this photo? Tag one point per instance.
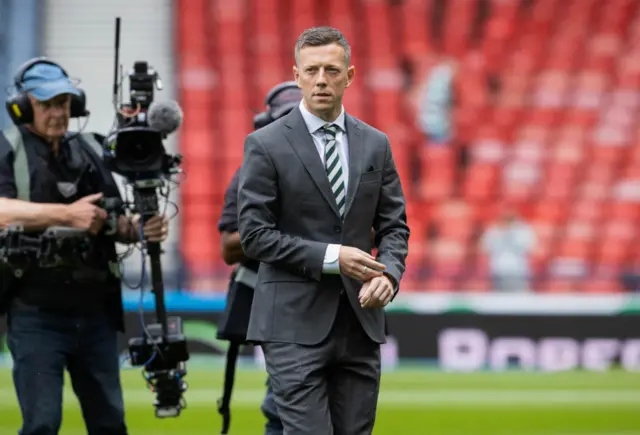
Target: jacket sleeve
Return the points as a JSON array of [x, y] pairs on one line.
[[258, 210], [390, 224]]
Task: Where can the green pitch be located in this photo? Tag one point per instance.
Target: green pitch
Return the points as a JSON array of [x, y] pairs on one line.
[[412, 402]]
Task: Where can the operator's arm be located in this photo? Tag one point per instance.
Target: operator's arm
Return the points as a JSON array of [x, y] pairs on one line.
[[390, 224], [231, 247], [32, 216], [258, 218], [232, 252]]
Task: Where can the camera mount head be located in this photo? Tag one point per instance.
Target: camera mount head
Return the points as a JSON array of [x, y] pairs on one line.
[[142, 80]]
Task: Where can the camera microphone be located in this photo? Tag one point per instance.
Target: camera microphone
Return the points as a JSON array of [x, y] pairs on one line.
[[165, 116]]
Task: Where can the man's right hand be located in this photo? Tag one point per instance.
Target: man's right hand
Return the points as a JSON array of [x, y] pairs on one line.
[[358, 264], [85, 215]]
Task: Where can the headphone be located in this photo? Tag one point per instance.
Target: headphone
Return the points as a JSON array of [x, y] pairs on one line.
[[265, 118], [18, 105]]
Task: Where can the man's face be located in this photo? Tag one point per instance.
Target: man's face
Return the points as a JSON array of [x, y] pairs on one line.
[[51, 117], [323, 75]]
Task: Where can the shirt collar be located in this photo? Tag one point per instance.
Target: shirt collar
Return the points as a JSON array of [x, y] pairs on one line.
[[314, 123]]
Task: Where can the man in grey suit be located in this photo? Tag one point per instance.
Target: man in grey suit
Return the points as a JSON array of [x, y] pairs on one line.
[[312, 186]]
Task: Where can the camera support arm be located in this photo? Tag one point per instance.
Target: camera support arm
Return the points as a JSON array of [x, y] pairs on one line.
[[146, 203], [18, 249], [163, 351]]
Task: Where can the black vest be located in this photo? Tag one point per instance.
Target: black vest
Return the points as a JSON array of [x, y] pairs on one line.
[[75, 172]]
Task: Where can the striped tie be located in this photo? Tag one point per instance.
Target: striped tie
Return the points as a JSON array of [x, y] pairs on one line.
[[334, 167]]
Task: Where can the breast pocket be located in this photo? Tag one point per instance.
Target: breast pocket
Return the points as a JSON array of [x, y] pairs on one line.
[[368, 192], [371, 177]]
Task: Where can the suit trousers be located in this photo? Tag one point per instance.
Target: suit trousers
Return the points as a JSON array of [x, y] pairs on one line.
[[269, 409], [330, 388]]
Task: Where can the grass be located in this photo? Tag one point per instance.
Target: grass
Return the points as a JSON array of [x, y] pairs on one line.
[[411, 402]]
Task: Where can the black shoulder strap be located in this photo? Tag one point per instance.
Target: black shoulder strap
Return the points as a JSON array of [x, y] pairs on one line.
[[92, 140], [90, 143], [20, 163]]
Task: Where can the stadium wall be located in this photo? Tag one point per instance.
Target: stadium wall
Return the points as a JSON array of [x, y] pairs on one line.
[[453, 332], [20, 38]]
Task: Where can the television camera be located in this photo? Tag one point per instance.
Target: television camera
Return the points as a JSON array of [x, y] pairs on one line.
[[135, 150]]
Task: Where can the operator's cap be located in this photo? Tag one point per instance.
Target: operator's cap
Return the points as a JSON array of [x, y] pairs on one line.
[[283, 101], [45, 81]]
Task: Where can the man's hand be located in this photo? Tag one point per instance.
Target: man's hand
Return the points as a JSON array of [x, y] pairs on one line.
[[376, 293], [358, 264], [85, 215], [155, 229]]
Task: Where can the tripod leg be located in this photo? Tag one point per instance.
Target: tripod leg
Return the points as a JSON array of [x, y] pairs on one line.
[[229, 378]]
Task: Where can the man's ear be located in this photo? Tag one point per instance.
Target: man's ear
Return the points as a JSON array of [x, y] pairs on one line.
[[296, 75], [351, 72]]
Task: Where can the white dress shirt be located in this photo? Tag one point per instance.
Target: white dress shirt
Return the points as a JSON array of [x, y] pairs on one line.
[[331, 264]]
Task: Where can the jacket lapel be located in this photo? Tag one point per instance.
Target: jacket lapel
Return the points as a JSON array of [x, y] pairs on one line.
[[356, 157], [302, 143]]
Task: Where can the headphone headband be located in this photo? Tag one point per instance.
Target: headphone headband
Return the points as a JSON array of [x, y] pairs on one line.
[[270, 115], [18, 79], [276, 90]]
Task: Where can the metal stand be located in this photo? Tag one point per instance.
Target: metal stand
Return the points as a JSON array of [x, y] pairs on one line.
[[146, 203]]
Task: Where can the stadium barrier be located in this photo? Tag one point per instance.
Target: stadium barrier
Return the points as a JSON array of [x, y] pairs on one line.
[[456, 331]]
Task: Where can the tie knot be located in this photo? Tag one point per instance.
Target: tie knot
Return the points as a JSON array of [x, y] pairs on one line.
[[331, 130]]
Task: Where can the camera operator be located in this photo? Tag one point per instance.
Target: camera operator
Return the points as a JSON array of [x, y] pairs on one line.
[[280, 100], [66, 316]]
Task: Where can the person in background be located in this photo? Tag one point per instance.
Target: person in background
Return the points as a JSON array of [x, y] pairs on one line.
[[509, 244], [436, 103], [280, 100]]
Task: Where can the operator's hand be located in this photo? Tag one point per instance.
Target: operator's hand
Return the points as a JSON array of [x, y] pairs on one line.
[[156, 229], [376, 293], [84, 214], [358, 264]]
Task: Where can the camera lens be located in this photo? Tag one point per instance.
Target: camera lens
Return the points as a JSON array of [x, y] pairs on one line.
[[140, 149]]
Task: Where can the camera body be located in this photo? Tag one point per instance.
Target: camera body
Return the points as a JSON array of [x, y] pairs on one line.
[[135, 149], [142, 79], [164, 363]]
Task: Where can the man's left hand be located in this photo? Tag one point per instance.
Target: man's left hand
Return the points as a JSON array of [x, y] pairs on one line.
[[376, 293], [156, 229]]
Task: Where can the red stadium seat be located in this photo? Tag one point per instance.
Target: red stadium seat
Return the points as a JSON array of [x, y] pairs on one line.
[[544, 118]]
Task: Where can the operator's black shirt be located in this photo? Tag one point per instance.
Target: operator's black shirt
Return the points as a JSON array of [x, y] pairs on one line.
[[53, 289], [229, 218]]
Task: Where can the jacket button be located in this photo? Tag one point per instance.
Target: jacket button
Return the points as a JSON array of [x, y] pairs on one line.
[[337, 229]]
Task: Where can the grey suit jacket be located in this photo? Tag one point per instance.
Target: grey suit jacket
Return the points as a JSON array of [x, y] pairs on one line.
[[288, 214]]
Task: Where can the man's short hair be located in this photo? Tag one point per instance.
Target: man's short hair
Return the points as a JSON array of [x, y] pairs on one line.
[[319, 36]]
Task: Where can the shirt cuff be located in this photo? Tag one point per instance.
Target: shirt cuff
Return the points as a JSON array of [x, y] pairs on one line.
[[331, 263]]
